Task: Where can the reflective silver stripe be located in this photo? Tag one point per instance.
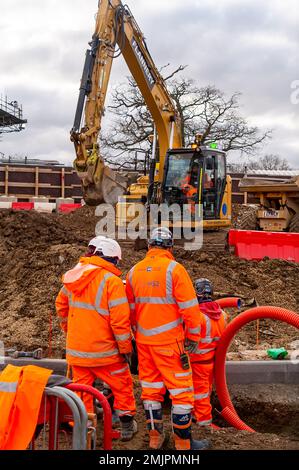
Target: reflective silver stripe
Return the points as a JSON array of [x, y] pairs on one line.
[[204, 351], [100, 291], [178, 391], [122, 412], [188, 303], [119, 371], [194, 331], [151, 404], [204, 423], [9, 387], [64, 291], [92, 355], [159, 329], [200, 396], [151, 384], [84, 305], [210, 340], [169, 273], [181, 409], [155, 300], [130, 278], [103, 311], [132, 306], [122, 337], [208, 326], [116, 302], [182, 374]]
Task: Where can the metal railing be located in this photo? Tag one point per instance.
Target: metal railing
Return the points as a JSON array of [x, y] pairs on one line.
[[11, 107], [64, 424], [11, 116]]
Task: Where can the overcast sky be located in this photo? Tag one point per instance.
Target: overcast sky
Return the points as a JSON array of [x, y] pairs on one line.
[[251, 46]]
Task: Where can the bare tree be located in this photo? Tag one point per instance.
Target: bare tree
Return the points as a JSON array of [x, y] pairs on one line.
[[273, 162], [267, 163], [204, 110]]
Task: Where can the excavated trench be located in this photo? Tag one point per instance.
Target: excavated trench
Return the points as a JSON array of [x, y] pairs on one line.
[[271, 409], [267, 408]]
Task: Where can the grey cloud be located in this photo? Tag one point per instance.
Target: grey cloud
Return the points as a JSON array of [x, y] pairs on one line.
[[247, 46]]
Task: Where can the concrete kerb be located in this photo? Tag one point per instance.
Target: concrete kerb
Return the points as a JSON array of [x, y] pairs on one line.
[[238, 372]]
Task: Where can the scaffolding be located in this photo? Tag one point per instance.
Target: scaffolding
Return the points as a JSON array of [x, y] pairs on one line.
[[11, 116]]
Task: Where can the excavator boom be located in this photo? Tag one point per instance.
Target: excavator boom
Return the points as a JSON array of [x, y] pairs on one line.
[[116, 26]]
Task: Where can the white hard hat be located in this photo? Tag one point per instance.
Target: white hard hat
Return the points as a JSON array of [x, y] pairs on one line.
[[161, 236], [107, 246]]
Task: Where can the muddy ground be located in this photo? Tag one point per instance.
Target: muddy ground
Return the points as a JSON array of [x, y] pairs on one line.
[[36, 249], [271, 410]]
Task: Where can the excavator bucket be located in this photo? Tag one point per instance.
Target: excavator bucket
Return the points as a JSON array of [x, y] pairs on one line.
[[101, 184], [255, 245]]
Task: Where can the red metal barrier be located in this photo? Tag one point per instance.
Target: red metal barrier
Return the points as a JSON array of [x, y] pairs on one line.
[[22, 206], [256, 244], [66, 208], [64, 415], [108, 432]]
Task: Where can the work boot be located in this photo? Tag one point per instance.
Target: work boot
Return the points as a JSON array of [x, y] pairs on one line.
[[154, 422], [181, 424], [128, 427]]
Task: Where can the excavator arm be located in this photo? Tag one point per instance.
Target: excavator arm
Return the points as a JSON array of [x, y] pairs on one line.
[[116, 26]]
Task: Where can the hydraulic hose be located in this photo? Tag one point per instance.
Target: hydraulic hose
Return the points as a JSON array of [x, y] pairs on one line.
[[276, 313], [230, 302]]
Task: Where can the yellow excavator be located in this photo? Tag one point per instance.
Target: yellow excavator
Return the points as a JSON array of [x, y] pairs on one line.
[[195, 175]]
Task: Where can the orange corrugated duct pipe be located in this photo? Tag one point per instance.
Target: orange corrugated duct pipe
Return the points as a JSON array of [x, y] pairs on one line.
[[276, 313], [230, 302]]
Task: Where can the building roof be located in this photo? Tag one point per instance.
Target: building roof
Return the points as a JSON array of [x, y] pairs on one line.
[[273, 172], [15, 161]]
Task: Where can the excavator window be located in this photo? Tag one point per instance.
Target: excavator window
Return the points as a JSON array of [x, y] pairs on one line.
[[214, 178], [182, 178], [178, 169]]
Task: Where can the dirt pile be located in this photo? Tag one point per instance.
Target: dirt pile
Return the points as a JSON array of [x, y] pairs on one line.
[[36, 249]]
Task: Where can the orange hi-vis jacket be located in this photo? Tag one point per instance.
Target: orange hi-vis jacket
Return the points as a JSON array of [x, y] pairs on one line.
[[215, 321], [21, 391], [94, 312], [162, 298]]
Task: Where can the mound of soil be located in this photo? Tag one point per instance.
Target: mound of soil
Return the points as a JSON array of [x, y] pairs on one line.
[[36, 249]]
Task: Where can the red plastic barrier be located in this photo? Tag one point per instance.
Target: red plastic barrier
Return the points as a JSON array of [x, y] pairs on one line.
[[66, 208], [256, 244], [22, 206]]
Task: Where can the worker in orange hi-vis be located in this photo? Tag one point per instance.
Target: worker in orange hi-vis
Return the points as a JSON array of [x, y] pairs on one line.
[[202, 360], [94, 312], [162, 298], [189, 186]]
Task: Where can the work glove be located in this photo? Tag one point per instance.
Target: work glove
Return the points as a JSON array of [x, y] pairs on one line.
[[190, 345]]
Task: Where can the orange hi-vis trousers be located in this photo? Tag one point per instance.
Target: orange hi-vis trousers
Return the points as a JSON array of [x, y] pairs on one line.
[[160, 368], [203, 383], [119, 379]]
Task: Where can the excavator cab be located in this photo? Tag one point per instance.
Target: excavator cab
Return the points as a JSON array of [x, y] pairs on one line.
[[198, 176]]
